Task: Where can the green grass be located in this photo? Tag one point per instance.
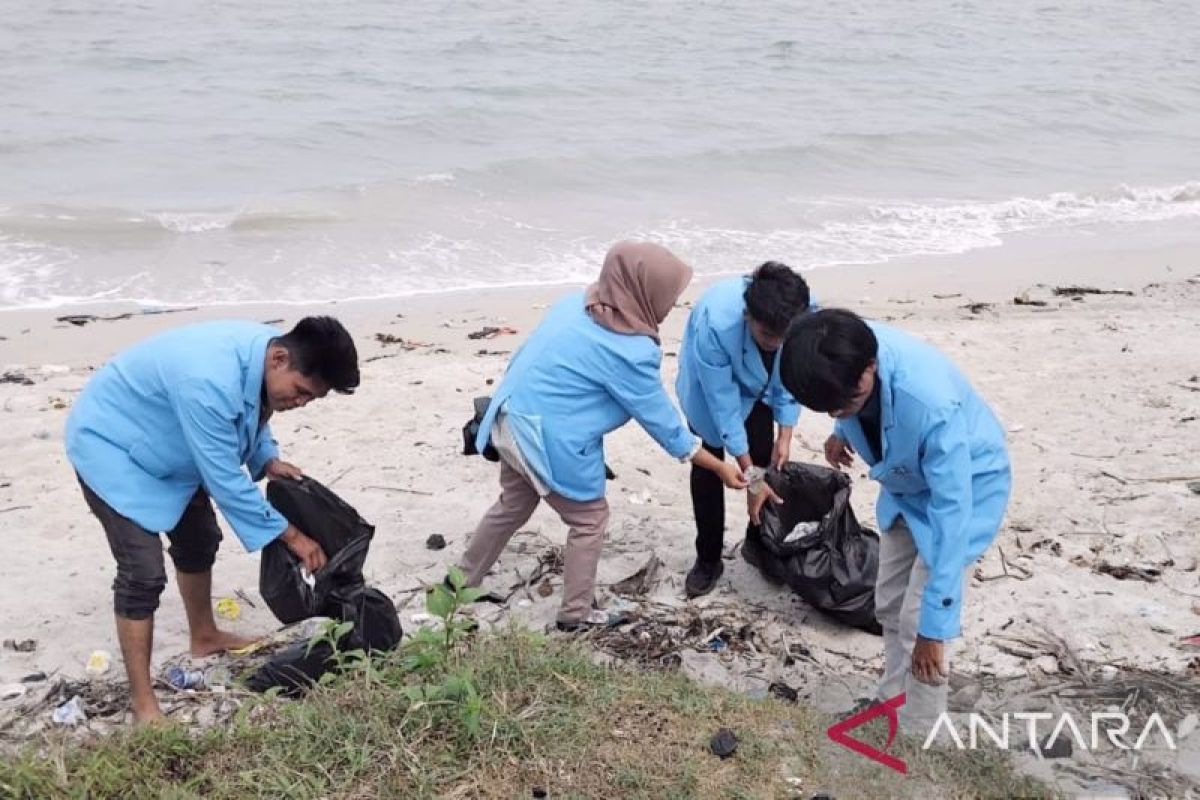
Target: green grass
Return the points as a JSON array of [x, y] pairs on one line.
[[509, 712]]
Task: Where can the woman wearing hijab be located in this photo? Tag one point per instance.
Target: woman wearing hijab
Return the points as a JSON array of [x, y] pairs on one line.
[[589, 367]]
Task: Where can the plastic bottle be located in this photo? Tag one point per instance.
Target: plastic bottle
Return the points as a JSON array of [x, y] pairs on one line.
[[181, 678]]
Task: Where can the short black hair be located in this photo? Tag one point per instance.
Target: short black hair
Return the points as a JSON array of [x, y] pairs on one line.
[[776, 295], [824, 356], [321, 346]]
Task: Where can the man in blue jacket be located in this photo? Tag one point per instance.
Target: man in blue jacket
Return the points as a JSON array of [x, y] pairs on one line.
[[939, 455], [729, 388], [178, 420]]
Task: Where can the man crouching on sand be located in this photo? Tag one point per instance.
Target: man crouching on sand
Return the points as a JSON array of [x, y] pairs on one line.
[[939, 455], [170, 423]]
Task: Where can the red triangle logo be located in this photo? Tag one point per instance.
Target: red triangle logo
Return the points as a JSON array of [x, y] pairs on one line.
[[839, 731]]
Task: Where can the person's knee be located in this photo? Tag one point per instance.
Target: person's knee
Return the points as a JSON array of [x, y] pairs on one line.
[[196, 555], [137, 598]]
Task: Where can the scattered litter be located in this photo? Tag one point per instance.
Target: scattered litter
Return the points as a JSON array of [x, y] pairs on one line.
[[1079, 291], [34, 677], [524, 603], [641, 581], [184, 679], [1023, 300], [99, 662], [11, 691], [724, 743], [70, 713], [22, 646], [755, 479], [1125, 572], [491, 332], [435, 542], [16, 377], [405, 344], [228, 608], [783, 692], [976, 308], [801, 530]]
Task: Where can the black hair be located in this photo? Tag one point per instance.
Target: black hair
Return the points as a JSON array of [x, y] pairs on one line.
[[824, 356], [776, 295], [321, 346]]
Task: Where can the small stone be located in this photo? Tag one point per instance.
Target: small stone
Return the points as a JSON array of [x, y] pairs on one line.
[[545, 588], [783, 692], [435, 542], [724, 743], [1059, 748]]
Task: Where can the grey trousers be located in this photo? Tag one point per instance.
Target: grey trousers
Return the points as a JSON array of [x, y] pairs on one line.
[[518, 499], [898, 589]]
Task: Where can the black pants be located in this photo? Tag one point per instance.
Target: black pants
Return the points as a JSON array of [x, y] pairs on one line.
[[141, 576], [708, 492]]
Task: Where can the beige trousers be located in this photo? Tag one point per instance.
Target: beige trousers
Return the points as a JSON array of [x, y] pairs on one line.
[[587, 522], [899, 587]]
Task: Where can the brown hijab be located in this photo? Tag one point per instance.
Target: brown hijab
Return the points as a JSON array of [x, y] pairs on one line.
[[637, 288]]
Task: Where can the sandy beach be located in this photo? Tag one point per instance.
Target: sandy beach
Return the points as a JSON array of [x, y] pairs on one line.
[[1100, 395]]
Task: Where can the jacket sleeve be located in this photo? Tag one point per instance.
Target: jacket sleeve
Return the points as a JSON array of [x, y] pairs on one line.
[[637, 387], [714, 370], [946, 466], [208, 417], [266, 449]]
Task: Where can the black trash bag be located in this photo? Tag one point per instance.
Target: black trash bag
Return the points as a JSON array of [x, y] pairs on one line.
[[298, 668], [833, 568], [338, 528], [471, 430]]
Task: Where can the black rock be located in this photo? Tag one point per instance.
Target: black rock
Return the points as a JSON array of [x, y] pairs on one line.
[[539, 792], [783, 692], [435, 541], [724, 743], [1059, 748]]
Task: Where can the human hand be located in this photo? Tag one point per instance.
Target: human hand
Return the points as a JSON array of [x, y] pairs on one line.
[[305, 548], [281, 469], [838, 452], [928, 665]]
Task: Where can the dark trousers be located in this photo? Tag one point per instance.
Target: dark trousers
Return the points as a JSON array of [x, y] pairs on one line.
[[141, 576], [708, 492]]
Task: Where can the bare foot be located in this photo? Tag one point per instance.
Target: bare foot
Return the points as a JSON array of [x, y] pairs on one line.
[[147, 714], [219, 641]]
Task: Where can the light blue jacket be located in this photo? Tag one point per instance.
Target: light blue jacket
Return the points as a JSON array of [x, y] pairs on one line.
[[174, 413], [572, 382], [944, 468], [721, 372]]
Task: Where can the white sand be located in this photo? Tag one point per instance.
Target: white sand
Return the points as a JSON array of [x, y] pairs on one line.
[[1102, 385]]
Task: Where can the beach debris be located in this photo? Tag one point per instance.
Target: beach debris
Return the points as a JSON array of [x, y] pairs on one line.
[[228, 608], [98, 662], [486, 352], [724, 743], [183, 679], [17, 378], [1127, 572], [1079, 291], [22, 646], [783, 692], [49, 370], [640, 581], [435, 542], [70, 713], [1058, 747], [11, 691], [976, 308], [34, 677], [801, 530], [545, 588], [1194, 486], [491, 332], [79, 320], [538, 792], [1024, 300], [405, 344]]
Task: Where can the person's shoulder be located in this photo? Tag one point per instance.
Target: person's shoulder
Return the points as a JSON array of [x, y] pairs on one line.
[[923, 379]]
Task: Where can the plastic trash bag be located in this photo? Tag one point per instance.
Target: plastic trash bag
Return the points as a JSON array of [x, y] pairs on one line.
[[342, 533], [299, 667], [833, 567]]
